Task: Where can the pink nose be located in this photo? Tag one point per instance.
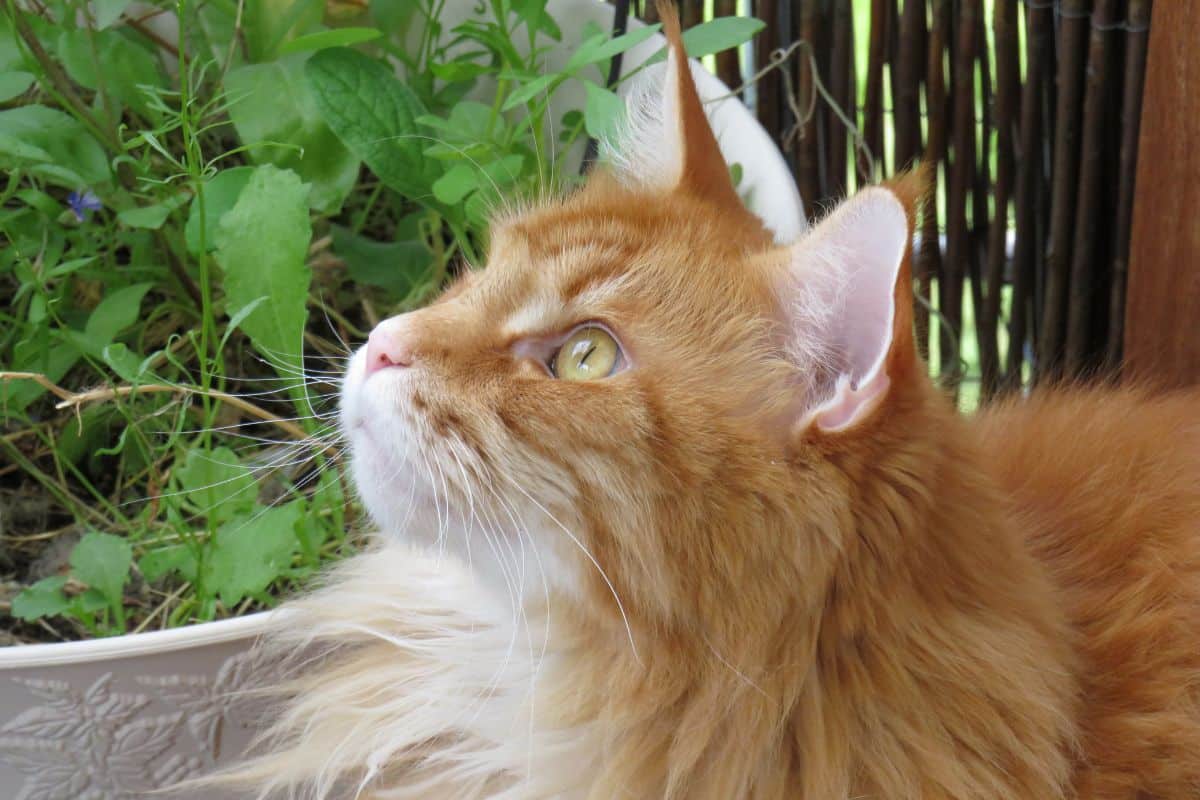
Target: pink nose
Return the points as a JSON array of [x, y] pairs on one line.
[[390, 345]]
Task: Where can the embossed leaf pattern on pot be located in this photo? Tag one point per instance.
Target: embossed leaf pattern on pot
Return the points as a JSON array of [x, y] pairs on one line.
[[98, 743]]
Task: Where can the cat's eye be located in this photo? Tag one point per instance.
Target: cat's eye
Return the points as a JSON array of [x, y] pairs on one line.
[[589, 353]]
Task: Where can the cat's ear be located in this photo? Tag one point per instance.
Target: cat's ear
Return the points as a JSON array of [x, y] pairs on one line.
[[667, 142], [847, 305]]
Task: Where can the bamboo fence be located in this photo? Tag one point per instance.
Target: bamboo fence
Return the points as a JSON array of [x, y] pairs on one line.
[[1029, 110]]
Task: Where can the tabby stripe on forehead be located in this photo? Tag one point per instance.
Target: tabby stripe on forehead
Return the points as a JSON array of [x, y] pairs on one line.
[[599, 273]]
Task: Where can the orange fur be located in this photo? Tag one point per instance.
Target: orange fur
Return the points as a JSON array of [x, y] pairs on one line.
[[921, 607]]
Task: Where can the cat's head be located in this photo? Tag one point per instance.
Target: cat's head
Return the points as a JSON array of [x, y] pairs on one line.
[[634, 404]]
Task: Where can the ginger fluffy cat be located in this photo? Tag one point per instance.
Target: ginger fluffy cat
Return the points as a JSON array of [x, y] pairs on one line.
[[669, 510]]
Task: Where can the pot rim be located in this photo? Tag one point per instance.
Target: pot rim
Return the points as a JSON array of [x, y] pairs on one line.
[[132, 645]]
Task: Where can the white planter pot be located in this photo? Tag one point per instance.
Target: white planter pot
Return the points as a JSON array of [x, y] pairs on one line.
[[108, 719], [111, 718]]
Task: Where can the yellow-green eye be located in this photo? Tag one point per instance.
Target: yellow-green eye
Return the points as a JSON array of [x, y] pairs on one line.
[[589, 353]]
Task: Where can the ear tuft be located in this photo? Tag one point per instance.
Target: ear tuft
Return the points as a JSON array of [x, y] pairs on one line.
[[668, 142]]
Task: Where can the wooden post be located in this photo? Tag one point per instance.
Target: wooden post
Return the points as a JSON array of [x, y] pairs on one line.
[[1162, 315]]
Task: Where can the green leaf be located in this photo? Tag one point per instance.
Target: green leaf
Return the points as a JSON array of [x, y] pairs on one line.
[[603, 111], [117, 65], [275, 112], [89, 602], [43, 599], [216, 483], [338, 37], [249, 552], [151, 217], [603, 48], [398, 266], [102, 561], [51, 356], [123, 361], [268, 24], [20, 151], [177, 558], [394, 15], [117, 311], [76, 158], [375, 116], [13, 84], [528, 91], [106, 12], [262, 244], [458, 182], [459, 70], [720, 34], [533, 13], [220, 194]]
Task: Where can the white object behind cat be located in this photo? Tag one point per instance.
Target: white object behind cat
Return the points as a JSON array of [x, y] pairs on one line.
[[767, 182]]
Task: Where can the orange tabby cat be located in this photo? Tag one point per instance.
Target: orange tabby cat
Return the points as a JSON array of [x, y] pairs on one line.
[[670, 510]]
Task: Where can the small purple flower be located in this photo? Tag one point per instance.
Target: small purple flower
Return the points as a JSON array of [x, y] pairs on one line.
[[81, 204]]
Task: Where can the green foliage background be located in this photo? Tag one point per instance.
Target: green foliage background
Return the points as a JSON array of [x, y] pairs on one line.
[[192, 230]]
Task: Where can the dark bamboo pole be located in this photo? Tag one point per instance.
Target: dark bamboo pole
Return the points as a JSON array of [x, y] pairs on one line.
[[649, 11], [1008, 87], [728, 68], [907, 71], [1083, 288], [1073, 30], [950, 287], [1039, 27], [1131, 115], [841, 87], [985, 337], [691, 13], [873, 107], [929, 262], [769, 93], [804, 150]]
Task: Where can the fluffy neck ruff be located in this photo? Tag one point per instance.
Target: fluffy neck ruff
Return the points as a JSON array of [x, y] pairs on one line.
[[920, 653]]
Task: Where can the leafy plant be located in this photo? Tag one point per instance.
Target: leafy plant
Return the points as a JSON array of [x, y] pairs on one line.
[[200, 205]]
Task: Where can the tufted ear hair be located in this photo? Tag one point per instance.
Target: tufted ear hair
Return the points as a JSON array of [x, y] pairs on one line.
[[846, 300], [667, 142]]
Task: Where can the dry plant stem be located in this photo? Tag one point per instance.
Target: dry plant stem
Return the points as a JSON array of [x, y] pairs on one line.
[[73, 400], [1131, 106], [40, 380], [1074, 22], [102, 395], [140, 26], [1039, 29], [1091, 167]]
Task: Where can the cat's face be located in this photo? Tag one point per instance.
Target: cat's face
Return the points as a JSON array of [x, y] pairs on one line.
[[610, 409], [547, 409]]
